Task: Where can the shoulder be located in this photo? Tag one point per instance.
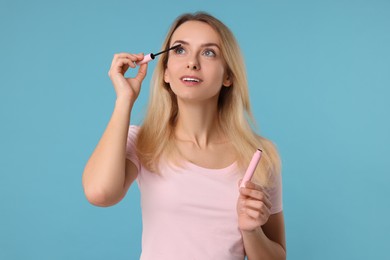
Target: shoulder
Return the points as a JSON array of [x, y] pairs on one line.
[[132, 136], [131, 145], [134, 128], [267, 144], [133, 132]]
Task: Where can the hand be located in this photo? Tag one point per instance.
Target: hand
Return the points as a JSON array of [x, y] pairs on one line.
[[253, 207], [127, 88]]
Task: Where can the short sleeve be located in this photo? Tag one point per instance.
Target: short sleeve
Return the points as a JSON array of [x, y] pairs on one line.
[[130, 145], [275, 193]]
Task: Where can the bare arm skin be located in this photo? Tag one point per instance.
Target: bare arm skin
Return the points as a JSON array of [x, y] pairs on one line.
[[108, 174], [267, 242], [263, 234]]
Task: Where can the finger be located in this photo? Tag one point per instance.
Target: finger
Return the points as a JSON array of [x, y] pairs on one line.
[[120, 65], [268, 203], [135, 57], [130, 61], [142, 71], [132, 57], [255, 204], [120, 61], [139, 56], [255, 214], [251, 185], [256, 195]]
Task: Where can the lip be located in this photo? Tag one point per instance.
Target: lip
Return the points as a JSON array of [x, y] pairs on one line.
[[191, 83]]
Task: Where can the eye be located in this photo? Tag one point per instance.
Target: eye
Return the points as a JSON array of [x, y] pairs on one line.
[[179, 50], [209, 53]]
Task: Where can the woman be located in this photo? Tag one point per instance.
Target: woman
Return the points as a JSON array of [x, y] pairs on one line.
[[191, 151]]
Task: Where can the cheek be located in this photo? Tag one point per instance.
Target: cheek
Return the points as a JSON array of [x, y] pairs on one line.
[[219, 76], [170, 71], [166, 76]]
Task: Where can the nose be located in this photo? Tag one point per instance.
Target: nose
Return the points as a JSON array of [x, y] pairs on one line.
[[193, 66], [193, 63]]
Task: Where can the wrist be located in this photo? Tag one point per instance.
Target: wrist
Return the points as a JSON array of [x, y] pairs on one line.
[[255, 232], [124, 102]]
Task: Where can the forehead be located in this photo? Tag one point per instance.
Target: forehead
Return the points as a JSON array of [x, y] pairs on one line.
[[196, 32]]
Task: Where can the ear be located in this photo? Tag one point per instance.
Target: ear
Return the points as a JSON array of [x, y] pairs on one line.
[[227, 82], [166, 77]]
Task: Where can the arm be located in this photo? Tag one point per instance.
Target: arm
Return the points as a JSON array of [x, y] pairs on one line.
[[263, 234], [107, 174], [267, 242]]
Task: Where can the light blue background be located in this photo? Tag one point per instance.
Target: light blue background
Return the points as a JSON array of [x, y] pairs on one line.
[[319, 74]]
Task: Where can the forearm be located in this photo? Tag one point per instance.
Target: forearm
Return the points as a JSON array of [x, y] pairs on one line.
[[104, 174], [259, 246]]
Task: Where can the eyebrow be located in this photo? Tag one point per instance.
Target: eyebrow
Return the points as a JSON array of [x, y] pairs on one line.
[[209, 44]]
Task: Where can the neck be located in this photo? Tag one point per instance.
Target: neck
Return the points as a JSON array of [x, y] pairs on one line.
[[199, 124]]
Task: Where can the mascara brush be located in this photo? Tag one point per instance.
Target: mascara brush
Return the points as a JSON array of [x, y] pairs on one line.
[[151, 56]]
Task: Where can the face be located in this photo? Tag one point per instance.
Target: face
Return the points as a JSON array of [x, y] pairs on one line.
[[196, 70]]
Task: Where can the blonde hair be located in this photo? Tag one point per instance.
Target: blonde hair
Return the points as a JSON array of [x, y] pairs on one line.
[[156, 136]]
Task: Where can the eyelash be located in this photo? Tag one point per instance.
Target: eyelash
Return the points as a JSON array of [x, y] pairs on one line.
[[180, 50], [213, 54]]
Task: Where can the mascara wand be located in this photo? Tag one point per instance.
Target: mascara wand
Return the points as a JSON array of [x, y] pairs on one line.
[[151, 56]]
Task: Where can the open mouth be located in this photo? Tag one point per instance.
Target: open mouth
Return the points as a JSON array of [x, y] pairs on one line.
[[190, 79]]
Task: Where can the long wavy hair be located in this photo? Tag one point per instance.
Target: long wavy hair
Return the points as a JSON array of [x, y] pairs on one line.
[[156, 136]]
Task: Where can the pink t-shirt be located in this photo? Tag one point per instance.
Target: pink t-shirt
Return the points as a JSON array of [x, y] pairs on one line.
[[189, 212]]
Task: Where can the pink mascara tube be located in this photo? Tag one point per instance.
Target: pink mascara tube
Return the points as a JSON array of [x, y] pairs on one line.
[[151, 56], [252, 167]]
